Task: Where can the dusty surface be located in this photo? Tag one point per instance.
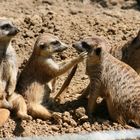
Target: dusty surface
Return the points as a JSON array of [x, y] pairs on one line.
[[71, 20]]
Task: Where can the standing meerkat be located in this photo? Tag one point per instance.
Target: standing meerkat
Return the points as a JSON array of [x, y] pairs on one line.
[[41, 69], [8, 71], [113, 80]]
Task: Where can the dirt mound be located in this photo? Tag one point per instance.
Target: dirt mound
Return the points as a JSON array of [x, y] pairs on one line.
[[71, 20]]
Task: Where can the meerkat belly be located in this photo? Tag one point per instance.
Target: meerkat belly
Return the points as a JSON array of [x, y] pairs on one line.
[[4, 75], [37, 92]]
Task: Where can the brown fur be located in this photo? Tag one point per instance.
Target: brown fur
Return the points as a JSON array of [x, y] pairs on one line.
[[8, 70], [129, 53], [115, 81], [34, 81]]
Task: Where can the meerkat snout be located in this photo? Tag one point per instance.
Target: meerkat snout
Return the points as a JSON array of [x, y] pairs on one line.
[[82, 47], [88, 43], [7, 29], [78, 47]]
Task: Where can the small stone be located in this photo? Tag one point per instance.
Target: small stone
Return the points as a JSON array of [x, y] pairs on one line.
[[71, 130], [73, 123], [65, 124], [80, 112], [55, 128], [66, 113], [86, 125], [50, 2], [56, 115], [38, 120]]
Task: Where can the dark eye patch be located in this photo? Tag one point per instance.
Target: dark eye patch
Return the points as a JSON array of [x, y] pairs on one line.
[[86, 46], [6, 26], [55, 43], [42, 46]]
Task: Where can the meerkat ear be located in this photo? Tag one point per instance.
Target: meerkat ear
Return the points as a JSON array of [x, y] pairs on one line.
[[98, 51]]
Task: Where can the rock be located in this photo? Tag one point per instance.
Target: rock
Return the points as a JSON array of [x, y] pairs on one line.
[[4, 115], [49, 2], [55, 128], [80, 112], [86, 125], [73, 123]]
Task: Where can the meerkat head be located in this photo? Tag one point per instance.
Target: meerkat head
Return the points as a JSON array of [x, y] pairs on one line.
[[91, 45], [7, 29], [88, 43], [47, 44]]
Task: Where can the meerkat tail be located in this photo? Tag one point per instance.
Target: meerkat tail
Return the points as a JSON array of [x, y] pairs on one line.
[[5, 113], [66, 82], [38, 111]]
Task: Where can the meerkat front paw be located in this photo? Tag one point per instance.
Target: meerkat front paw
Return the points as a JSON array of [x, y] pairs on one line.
[[23, 116], [82, 56], [10, 91], [6, 104]]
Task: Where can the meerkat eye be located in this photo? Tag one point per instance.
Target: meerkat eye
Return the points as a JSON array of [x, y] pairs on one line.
[[42, 46], [55, 43], [6, 26], [86, 46]]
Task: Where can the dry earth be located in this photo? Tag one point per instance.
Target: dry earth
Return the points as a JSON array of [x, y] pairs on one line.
[[118, 22]]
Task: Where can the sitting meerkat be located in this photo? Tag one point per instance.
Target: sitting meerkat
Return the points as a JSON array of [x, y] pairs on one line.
[[41, 69], [129, 53], [113, 80], [8, 71]]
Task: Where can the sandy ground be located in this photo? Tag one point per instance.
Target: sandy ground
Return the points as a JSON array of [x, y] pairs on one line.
[[118, 22]]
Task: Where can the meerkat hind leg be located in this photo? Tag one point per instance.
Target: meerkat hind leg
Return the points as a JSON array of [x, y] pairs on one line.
[[91, 106], [112, 112], [20, 106], [37, 110]]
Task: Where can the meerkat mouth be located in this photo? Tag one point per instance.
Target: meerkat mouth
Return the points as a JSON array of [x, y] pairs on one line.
[[13, 31]]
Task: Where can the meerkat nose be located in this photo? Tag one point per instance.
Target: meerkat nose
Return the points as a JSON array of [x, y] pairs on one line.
[[73, 45], [17, 30]]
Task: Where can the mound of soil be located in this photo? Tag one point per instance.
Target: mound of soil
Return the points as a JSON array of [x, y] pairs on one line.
[[118, 22]]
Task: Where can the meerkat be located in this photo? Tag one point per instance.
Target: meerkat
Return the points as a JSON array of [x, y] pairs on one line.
[[40, 71], [71, 74], [129, 53], [8, 71], [113, 80]]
